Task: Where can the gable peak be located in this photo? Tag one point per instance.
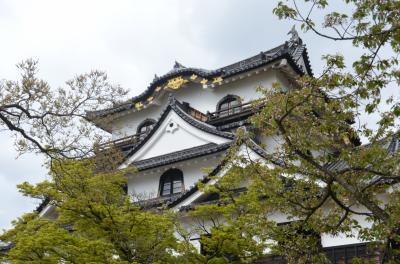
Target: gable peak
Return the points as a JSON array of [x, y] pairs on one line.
[[178, 65]]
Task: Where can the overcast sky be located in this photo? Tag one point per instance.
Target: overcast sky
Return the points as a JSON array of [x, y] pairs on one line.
[[131, 41]]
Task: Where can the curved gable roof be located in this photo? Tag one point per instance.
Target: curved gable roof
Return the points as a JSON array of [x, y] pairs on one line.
[[175, 105], [292, 51], [248, 142]]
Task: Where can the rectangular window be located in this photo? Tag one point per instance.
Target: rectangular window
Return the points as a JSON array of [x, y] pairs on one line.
[[166, 188], [346, 254], [177, 187]]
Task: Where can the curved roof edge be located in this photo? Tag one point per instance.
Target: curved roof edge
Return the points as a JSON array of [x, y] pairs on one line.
[[175, 105], [181, 155], [248, 142], [293, 51]]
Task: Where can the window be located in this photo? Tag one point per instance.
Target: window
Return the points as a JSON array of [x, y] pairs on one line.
[[145, 127], [171, 182], [229, 105], [347, 253]]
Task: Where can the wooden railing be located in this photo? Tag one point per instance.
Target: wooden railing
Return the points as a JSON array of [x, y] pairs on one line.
[[157, 200], [235, 110], [245, 108], [120, 142], [197, 114]]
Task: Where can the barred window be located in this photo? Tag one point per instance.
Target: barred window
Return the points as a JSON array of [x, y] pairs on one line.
[[145, 127], [171, 182], [229, 105]]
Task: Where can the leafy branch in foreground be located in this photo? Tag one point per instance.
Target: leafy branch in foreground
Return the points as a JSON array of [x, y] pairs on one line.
[[95, 221], [321, 180], [53, 121]]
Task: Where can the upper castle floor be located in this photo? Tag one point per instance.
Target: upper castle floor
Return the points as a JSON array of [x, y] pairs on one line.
[[219, 97]]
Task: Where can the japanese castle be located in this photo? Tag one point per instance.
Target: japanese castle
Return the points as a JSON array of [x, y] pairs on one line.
[[187, 119]]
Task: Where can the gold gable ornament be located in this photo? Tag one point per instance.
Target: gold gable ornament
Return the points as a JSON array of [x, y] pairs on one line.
[[218, 80], [204, 81], [176, 83], [138, 105], [158, 88], [193, 77]]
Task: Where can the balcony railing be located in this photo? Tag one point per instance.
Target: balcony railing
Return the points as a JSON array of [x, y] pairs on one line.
[[237, 110], [156, 201], [197, 114], [193, 112], [125, 141], [214, 117]]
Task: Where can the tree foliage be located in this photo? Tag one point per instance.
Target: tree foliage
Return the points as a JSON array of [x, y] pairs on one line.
[[318, 178], [53, 121], [96, 222]]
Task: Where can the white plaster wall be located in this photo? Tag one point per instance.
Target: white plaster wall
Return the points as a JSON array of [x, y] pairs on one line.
[[207, 99], [127, 125], [182, 136], [201, 99], [244, 152], [146, 183], [271, 144], [49, 212], [327, 240], [283, 80], [193, 228], [346, 239]]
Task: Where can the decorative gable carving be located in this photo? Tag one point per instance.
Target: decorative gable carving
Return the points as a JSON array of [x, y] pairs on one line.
[[174, 134], [176, 131]]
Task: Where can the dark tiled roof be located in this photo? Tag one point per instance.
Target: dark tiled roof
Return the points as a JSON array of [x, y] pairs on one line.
[[392, 146], [260, 151], [193, 189], [42, 204], [158, 201], [336, 165], [4, 248], [174, 105], [177, 107], [250, 143], [292, 51], [214, 199], [180, 155]]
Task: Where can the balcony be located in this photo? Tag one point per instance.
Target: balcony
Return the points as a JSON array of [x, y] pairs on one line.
[[217, 118], [235, 113], [124, 143], [194, 112], [157, 201], [224, 116]]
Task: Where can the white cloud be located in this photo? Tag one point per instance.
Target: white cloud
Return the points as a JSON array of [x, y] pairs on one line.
[[132, 41], [12, 172]]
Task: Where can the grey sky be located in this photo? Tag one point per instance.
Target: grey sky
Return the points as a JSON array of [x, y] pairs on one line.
[[131, 41]]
